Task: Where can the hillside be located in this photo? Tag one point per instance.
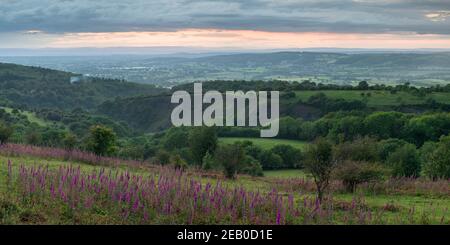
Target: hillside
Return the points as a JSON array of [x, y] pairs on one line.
[[298, 100], [44, 88]]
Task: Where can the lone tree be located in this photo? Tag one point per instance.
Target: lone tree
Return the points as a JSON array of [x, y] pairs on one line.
[[5, 133], [102, 140], [230, 157], [363, 85], [320, 163]]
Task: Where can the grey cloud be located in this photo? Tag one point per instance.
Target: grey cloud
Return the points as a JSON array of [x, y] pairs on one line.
[[360, 16]]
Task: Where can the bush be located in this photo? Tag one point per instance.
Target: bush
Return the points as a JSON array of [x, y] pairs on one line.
[[70, 141], [209, 162], [33, 137], [253, 150], [251, 167], [270, 160], [405, 161], [5, 133], [184, 153], [101, 140], [291, 156], [175, 138], [178, 162], [352, 173], [230, 157], [162, 157]]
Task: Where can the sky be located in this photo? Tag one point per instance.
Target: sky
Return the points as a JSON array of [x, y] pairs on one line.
[[221, 24]]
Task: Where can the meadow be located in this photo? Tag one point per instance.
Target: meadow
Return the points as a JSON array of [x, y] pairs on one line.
[[40, 187], [264, 142]]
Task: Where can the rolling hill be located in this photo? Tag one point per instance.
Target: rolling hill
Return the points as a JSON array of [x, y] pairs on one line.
[[36, 87], [420, 68]]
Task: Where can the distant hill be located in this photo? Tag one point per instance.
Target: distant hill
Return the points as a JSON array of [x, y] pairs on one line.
[[343, 67], [36, 87], [438, 59], [421, 69]]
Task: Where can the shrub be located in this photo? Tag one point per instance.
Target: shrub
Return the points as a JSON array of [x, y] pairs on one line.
[[291, 156], [178, 162], [5, 133], [253, 150], [352, 173], [184, 153], [386, 147], [270, 160], [101, 140], [362, 149], [33, 137], [70, 141], [175, 138], [251, 167], [162, 157], [209, 162]]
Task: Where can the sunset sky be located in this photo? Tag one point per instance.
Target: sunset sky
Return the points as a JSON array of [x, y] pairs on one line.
[[249, 24]]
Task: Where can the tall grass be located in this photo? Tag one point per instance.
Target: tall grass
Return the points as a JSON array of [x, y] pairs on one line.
[[14, 150]]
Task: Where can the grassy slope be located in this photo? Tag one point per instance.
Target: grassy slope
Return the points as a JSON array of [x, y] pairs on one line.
[[265, 143], [439, 205], [286, 173], [30, 116], [421, 204], [377, 98]]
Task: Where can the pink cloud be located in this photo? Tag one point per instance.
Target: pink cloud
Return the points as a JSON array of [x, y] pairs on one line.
[[212, 38]]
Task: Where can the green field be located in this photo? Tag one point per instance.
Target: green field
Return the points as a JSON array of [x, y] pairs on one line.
[[31, 116], [286, 173], [377, 98], [264, 142]]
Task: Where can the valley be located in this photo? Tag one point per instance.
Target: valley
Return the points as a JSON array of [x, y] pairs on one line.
[[386, 145]]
